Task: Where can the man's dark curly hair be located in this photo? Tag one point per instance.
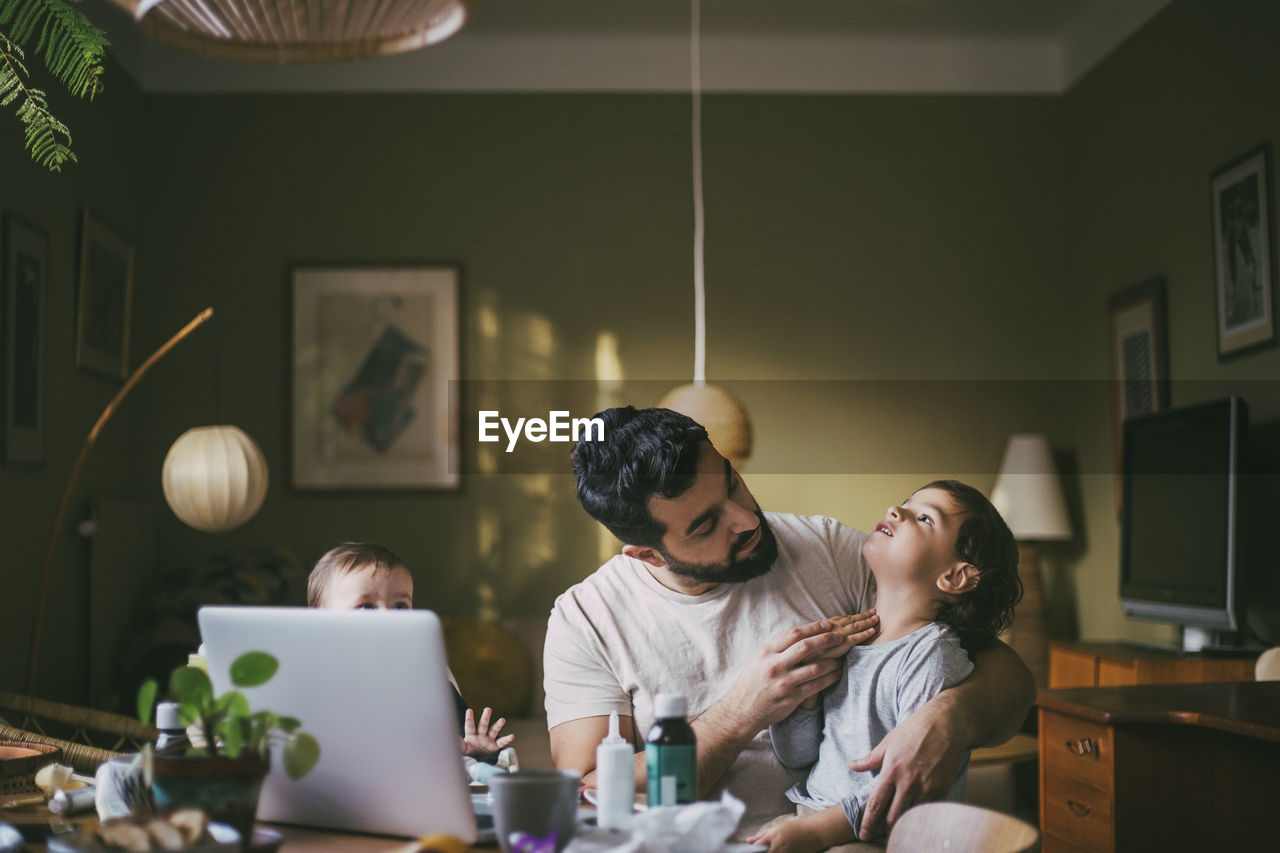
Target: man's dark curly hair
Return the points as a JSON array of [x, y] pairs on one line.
[[645, 452], [984, 540]]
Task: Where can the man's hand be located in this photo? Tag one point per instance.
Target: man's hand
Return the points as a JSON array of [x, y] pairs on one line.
[[917, 763], [794, 665], [483, 739], [857, 629]]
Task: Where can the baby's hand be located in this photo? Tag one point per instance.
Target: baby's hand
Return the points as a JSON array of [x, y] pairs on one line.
[[483, 739], [790, 836]]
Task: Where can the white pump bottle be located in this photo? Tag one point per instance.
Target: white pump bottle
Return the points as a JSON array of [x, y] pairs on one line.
[[615, 779]]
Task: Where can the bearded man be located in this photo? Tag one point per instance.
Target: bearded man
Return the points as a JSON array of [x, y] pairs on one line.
[[715, 599]]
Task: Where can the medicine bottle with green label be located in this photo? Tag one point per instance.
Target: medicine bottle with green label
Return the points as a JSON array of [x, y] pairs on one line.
[[671, 753]]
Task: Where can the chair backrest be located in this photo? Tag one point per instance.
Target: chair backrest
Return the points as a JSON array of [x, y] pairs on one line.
[[960, 828], [87, 736], [1268, 666]]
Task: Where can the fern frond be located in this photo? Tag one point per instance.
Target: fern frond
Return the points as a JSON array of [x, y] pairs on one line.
[[44, 132], [71, 46]]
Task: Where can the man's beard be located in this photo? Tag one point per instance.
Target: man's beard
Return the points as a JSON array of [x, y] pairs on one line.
[[753, 565]]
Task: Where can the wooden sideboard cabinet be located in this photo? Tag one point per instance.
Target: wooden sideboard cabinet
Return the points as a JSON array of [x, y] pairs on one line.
[[1119, 664], [1159, 767]]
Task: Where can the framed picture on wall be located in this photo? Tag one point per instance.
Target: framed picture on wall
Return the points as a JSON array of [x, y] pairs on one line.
[[105, 301], [1244, 254], [26, 272], [375, 370], [1136, 322]]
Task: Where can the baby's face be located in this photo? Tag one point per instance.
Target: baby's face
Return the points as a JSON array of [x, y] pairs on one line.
[[371, 589]]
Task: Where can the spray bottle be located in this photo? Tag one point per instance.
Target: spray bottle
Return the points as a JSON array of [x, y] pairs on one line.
[[615, 779]]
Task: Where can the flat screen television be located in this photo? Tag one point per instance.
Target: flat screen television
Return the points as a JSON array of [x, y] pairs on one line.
[[1181, 514]]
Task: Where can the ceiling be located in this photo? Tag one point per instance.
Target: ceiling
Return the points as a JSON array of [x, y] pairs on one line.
[[944, 46]]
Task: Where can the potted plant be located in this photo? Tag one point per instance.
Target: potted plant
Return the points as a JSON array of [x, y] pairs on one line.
[[224, 775]]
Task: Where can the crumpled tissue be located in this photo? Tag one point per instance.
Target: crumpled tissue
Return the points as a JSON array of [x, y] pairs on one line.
[[701, 827], [122, 788], [56, 777]]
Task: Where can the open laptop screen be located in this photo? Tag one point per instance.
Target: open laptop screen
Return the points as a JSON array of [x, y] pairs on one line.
[[371, 686]]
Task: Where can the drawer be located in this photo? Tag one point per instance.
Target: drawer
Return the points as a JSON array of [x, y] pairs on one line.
[[1051, 843], [1078, 813], [1076, 749]]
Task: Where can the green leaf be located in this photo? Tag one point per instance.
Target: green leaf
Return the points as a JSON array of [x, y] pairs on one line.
[[301, 752], [146, 699], [191, 686], [188, 713], [231, 736], [232, 702], [72, 49], [289, 724], [253, 668]]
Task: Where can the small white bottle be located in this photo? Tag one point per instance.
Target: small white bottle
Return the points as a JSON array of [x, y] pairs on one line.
[[615, 779], [173, 737]]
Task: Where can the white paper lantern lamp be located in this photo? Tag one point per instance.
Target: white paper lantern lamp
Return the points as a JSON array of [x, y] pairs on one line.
[[215, 478]]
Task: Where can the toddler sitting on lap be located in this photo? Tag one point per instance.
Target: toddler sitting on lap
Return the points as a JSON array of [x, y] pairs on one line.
[[946, 572]]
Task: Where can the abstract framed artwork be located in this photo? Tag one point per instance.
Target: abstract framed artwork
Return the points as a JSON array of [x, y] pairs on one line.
[[1136, 320], [1244, 254], [26, 271], [375, 370], [105, 302]]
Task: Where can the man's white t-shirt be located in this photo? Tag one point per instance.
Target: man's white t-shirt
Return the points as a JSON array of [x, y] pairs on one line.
[[619, 637]]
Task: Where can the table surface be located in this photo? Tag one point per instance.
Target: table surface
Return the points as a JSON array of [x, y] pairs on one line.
[[1249, 708], [297, 839]]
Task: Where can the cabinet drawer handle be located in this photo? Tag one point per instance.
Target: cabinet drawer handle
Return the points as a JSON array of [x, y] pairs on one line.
[[1083, 746], [1078, 809]]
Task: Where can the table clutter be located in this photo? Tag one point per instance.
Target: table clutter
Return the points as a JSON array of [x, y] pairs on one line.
[[19, 763], [187, 830], [700, 827]]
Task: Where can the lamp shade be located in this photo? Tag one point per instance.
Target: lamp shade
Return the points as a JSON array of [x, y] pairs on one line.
[[299, 30], [214, 477], [724, 418], [1028, 493]]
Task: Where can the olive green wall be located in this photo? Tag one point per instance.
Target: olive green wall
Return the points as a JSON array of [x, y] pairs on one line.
[[1189, 92], [107, 134], [849, 238]]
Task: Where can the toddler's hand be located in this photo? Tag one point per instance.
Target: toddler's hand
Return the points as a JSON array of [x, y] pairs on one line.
[[857, 628], [483, 739], [789, 836]]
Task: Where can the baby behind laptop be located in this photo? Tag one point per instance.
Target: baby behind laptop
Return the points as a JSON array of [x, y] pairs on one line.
[[366, 576]]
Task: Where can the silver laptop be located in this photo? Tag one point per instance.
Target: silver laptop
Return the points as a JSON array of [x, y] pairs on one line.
[[371, 686]]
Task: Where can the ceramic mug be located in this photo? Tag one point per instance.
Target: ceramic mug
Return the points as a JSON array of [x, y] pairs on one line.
[[536, 803]]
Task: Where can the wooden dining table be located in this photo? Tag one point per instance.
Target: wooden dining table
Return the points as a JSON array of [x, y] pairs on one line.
[[37, 821]]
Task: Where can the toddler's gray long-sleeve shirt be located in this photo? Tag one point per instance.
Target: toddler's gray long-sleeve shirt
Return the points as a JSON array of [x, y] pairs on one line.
[[881, 685]]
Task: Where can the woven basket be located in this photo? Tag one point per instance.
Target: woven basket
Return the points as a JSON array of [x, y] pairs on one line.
[[19, 762]]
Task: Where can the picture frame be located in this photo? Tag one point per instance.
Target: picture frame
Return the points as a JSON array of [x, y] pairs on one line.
[[25, 277], [1137, 325], [1244, 253], [375, 378], [105, 301]]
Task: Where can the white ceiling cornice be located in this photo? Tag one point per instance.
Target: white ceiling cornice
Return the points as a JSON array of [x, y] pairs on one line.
[[974, 58]]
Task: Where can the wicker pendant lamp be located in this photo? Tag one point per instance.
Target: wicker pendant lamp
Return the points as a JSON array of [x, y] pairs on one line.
[[723, 416], [299, 30]]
